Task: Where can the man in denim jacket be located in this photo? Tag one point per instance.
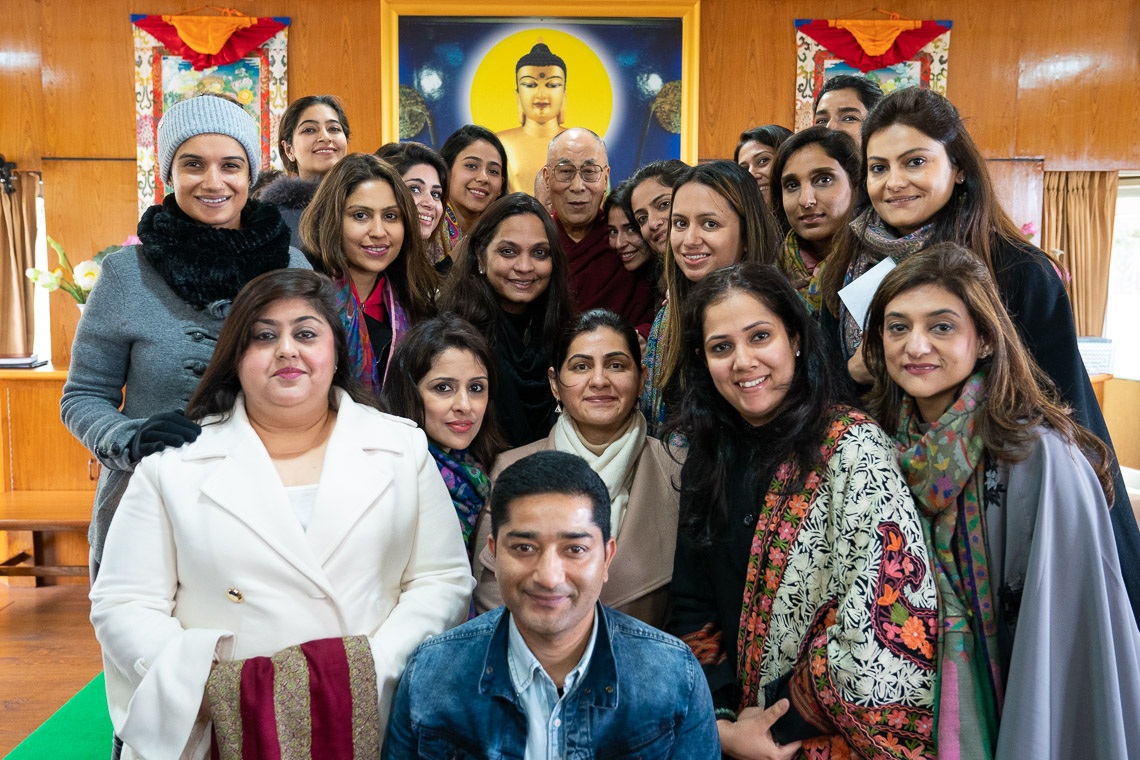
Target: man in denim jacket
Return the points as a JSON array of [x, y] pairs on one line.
[[554, 674]]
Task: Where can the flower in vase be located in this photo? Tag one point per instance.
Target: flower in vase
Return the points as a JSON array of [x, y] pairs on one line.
[[85, 274]]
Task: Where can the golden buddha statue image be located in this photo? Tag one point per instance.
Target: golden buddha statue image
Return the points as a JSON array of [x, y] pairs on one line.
[[540, 83]]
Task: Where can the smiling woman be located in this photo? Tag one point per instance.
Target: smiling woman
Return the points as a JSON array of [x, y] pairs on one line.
[[718, 218], [444, 379], [1013, 493], [426, 177], [309, 563], [151, 322], [511, 281], [477, 164], [596, 375], [927, 183], [313, 137], [360, 229], [782, 477]]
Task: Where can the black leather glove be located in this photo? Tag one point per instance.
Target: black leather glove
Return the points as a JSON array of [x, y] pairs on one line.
[[167, 429]]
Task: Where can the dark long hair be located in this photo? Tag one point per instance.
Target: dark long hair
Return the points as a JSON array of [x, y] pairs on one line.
[[464, 136], [618, 199], [665, 171], [758, 232], [972, 218], [322, 232], [403, 156], [412, 361], [1020, 396], [772, 135], [837, 145], [292, 117], [467, 291], [218, 391], [718, 436]]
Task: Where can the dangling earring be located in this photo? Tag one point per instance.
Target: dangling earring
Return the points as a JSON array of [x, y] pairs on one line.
[[558, 407]]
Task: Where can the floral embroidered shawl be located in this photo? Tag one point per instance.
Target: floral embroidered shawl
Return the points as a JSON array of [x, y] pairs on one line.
[[860, 641]]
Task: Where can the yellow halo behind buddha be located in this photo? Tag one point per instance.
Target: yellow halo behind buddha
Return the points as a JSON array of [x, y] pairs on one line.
[[589, 93]]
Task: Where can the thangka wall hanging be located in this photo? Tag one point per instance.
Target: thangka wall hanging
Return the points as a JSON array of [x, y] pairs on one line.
[[179, 56], [895, 52]]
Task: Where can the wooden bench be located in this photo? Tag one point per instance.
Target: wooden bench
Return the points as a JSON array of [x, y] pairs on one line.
[[43, 512]]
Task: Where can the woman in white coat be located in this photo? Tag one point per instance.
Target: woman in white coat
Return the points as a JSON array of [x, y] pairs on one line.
[[305, 543]]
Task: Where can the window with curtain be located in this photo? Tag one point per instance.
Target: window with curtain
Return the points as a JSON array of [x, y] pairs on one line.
[[1123, 313]]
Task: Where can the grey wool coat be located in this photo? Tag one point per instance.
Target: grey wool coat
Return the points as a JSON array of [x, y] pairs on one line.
[[139, 350]]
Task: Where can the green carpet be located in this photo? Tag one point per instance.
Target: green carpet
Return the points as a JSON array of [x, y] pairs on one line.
[[79, 730]]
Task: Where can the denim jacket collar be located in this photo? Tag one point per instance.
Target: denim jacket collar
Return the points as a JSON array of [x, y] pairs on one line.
[[599, 686]]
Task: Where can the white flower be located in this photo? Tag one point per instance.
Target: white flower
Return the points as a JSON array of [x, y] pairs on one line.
[[85, 274], [49, 281]]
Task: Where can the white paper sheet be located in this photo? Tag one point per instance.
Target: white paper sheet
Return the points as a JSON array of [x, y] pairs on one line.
[[857, 296]]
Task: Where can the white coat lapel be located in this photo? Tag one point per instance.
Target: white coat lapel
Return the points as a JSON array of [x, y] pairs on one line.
[[246, 485], [353, 479]]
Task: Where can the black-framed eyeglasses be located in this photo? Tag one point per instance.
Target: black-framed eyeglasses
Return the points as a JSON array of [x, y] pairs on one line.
[[565, 172]]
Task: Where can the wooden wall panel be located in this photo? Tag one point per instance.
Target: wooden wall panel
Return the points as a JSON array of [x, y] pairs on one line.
[[1086, 116], [339, 54], [1077, 97], [88, 85], [1020, 185], [1121, 400], [45, 456], [88, 206], [21, 91]]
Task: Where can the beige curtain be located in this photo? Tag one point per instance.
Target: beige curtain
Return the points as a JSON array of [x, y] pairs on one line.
[[17, 253], [1079, 211]]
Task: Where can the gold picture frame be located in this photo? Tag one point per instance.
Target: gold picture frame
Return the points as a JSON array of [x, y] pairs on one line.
[[554, 12]]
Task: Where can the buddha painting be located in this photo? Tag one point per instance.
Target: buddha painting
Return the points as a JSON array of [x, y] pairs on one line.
[[540, 83]]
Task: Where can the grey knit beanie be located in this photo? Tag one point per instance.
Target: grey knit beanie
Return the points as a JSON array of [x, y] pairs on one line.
[[206, 114]]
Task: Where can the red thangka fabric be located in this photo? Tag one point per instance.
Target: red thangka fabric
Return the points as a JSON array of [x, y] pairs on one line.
[[850, 41], [239, 42]]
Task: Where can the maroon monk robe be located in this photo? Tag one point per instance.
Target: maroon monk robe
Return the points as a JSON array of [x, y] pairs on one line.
[[599, 281]]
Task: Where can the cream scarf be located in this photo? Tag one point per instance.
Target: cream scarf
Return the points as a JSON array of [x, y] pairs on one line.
[[615, 462]]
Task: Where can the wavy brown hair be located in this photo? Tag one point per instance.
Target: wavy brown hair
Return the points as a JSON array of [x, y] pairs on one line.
[[1019, 395], [322, 232], [758, 232], [973, 217]]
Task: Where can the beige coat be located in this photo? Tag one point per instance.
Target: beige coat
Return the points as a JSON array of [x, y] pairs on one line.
[[643, 566]]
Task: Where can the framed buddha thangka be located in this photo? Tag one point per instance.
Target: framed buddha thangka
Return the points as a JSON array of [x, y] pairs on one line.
[[627, 73]]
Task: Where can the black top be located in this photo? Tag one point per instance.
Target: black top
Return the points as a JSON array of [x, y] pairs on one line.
[[524, 404]]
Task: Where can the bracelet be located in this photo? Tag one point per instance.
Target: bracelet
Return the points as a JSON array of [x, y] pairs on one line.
[[725, 713]]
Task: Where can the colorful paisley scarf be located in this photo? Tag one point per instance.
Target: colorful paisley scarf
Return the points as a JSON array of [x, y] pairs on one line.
[[468, 485], [360, 352], [945, 468], [878, 243], [804, 280]]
